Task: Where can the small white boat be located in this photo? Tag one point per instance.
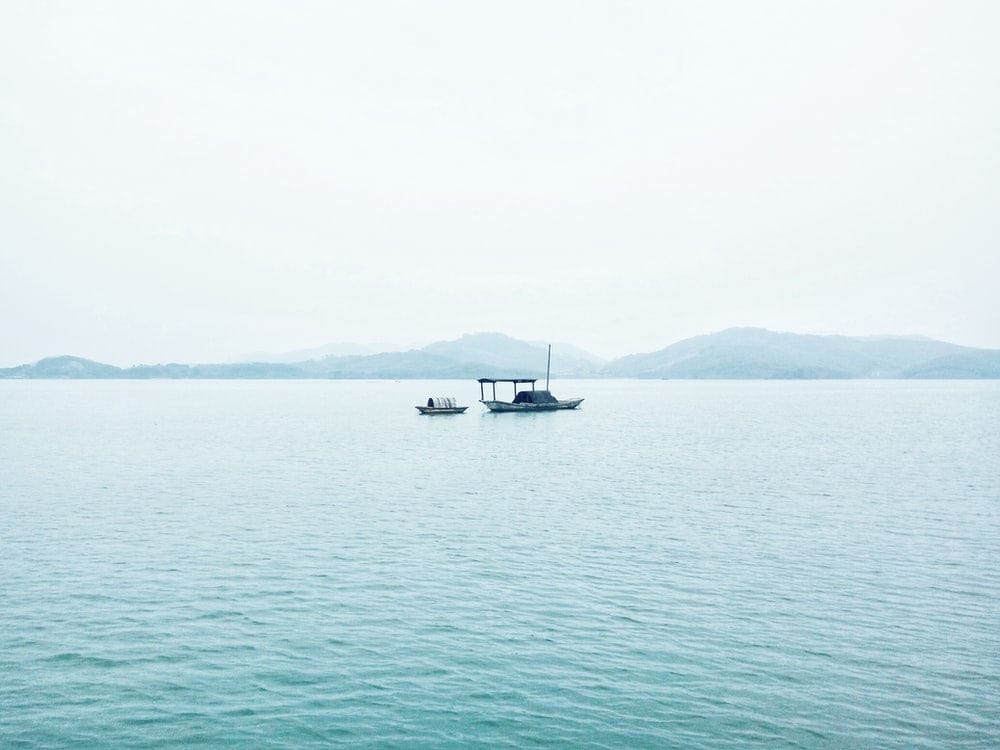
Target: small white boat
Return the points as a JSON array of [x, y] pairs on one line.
[[441, 405]]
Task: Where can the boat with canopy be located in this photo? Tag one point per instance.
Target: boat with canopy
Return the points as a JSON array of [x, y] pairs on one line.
[[525, 400]]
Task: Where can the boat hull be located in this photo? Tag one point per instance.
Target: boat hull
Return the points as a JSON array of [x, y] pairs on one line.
[[441, 409], [570, 403]]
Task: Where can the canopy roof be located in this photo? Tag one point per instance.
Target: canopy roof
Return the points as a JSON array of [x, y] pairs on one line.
[[508, 380]]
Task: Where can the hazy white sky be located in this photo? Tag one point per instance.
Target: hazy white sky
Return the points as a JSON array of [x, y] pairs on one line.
[[189, 181]]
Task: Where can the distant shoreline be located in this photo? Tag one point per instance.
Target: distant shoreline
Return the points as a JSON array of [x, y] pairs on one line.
[[733, 354], [595, 378]]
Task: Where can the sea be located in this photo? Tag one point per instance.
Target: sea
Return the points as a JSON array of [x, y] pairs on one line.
[[676, 564]]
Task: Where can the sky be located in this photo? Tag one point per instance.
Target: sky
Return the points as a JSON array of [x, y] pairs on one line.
[[191, 181]]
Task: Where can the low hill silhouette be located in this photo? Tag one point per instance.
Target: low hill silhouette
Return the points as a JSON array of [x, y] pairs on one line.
[[735, 353]]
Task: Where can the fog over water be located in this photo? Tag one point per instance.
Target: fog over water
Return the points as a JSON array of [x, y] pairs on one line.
[[192, 181]]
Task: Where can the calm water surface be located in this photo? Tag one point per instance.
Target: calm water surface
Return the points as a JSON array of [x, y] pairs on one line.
[[676, 564]]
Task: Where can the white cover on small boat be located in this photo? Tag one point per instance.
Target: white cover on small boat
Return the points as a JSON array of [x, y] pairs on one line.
[[442, 402]]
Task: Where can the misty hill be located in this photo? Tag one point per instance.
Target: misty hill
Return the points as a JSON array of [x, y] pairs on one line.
[[571, 353], [980, 363], [737, 353], [472, 356], [502, 355], [756, 353], [394, 365], [251, 370], [66, 367], [346, 349], [78, 368]]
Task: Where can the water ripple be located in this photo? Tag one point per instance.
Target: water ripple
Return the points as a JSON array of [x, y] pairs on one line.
[[696, 565]]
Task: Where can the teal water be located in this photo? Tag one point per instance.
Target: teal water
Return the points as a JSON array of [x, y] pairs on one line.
[[676, 564]]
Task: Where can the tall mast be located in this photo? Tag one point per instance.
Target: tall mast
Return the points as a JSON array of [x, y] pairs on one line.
[[548, 365]]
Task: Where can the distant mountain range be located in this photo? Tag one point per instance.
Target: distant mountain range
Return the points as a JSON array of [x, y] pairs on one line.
[[736, 353], [756, 353], [347, 349]]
